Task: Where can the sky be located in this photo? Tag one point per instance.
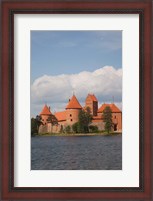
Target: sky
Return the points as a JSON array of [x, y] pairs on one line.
[[79, 62]]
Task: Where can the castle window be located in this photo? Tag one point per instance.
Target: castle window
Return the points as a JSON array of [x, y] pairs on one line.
[[71, 119], [70, 115], [115, 117]]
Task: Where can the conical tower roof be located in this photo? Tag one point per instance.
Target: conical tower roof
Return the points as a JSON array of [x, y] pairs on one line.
[[45, 110], [73, 103]]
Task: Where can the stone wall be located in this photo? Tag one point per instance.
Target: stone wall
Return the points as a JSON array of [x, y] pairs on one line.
[[99, 124]]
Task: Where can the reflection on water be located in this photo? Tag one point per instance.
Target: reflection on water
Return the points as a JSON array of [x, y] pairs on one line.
[[76, 153]]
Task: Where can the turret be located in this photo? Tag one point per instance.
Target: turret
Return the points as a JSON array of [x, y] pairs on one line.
[[92, 102], [72, 110], [45, 113]]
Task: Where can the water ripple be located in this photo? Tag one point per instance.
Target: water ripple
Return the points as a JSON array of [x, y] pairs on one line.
[[76, 153]]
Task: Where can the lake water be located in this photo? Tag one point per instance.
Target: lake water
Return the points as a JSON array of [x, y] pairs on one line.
[[76, 153]]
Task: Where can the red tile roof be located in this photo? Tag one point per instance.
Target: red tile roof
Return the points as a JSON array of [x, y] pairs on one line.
[[93, 97], [61, 116], [113, 107], [73, 103], [45, 110]]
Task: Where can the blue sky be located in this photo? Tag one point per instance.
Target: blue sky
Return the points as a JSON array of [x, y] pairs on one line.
[[80, 62], [66, 52]]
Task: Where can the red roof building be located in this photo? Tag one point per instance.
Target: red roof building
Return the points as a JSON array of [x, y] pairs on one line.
[[46, 110], [116, 115], [61, 116], [92, 103], [92, 97], [71, 115], [113, 107], [45, 113], [73, 103]]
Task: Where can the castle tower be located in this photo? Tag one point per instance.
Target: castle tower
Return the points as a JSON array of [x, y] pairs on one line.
[[45, 113], [92, 102], [72, 110]]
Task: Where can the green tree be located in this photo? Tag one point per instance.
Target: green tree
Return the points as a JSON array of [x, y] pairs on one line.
[[35, 123], [85, 119], [53, 120], [68, 129], [61, 129], [88, 110], [93, 129], [33, 126], [107, 118], [76, 127], [38, 121]]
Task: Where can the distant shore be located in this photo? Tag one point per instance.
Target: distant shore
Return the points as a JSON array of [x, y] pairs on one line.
[[79, 134]]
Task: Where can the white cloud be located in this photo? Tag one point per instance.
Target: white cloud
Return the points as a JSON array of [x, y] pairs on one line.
[[105, 83]]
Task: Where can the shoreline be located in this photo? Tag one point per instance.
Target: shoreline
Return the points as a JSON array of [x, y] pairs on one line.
[[77, 134]]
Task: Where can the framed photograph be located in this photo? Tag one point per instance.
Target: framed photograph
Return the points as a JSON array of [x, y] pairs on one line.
[[76, 100]]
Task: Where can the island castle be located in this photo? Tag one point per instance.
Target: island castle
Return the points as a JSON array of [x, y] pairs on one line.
[[70, 115]]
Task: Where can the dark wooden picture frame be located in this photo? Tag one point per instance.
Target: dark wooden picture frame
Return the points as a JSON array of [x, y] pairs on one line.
[[9, 9]]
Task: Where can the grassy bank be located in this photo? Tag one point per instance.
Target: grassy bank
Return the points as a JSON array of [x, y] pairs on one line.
[[79, 134]]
